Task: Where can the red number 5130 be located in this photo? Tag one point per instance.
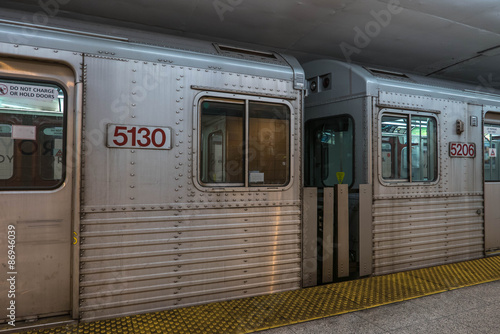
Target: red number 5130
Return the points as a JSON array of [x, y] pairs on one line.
[[132, 136]]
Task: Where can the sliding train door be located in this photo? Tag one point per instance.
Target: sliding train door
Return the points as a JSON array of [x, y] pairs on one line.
[[36, 189], [491, 182]]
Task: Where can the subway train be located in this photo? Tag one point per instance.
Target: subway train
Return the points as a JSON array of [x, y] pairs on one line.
[[140, 172]]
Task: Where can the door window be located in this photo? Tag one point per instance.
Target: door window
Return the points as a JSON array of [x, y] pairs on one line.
[[491, 146], [32, 141], [329, 151]]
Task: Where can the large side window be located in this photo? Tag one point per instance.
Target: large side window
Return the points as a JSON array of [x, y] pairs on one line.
[[409, 148], [329, 151], [32, 131], [491, 145], [244, 143]]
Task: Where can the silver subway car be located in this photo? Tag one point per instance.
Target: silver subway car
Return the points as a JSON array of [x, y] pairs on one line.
[[137, 177], [419, 157]]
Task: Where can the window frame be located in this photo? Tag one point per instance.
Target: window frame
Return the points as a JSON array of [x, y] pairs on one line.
[[60, 184], [246, 99], [408, 114]]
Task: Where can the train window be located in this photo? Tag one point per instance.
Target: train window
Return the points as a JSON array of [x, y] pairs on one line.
[[491, 145], [329, 151], [32, 140], [409, 148], [238, 136], [268, 142], [222, 134]]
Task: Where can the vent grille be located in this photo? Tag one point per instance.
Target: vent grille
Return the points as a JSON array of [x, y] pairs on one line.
[[249, 54], [389, 75]]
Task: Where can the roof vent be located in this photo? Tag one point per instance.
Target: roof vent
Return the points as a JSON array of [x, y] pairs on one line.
[[389, 75], [233, 51]]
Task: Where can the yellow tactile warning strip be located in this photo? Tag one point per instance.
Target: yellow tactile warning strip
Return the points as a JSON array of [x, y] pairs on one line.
[[263, 312]]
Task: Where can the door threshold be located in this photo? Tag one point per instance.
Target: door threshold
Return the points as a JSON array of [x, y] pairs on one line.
[[25, 325], [493, 253]]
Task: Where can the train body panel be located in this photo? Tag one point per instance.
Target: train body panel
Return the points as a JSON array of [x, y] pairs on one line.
[[428, 222], [187, 187], [204, 243]]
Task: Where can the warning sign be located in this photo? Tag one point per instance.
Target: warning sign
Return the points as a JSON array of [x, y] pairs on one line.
[[340, 177], [28, 91], [492, 152], [3, 89], [490, 130]]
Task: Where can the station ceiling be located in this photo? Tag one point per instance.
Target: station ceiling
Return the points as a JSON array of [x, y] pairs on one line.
[[454, 39]]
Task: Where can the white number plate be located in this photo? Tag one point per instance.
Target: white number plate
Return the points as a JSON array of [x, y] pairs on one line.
[[463, 150], [137, 136]]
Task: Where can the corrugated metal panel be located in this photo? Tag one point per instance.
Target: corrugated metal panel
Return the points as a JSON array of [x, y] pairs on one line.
[[152, 263], [420, 232]]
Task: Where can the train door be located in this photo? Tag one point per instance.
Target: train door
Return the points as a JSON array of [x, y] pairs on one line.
[[491, 142], [36, 189]]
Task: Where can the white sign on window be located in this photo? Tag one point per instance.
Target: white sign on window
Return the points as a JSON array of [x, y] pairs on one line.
[[490, 130], [256, 177], [28, 91], [27, 132]]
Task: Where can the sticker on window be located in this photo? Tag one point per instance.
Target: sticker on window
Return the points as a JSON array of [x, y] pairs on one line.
[[28, 91], [27, 132]]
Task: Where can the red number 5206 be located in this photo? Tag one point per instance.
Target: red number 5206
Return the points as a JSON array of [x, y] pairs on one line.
[[463, 150]]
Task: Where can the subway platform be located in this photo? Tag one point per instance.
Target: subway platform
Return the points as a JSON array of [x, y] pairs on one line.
[[469, 310], [455, 298]]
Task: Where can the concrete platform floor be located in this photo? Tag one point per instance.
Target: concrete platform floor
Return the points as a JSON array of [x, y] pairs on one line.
[[474, 309]]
